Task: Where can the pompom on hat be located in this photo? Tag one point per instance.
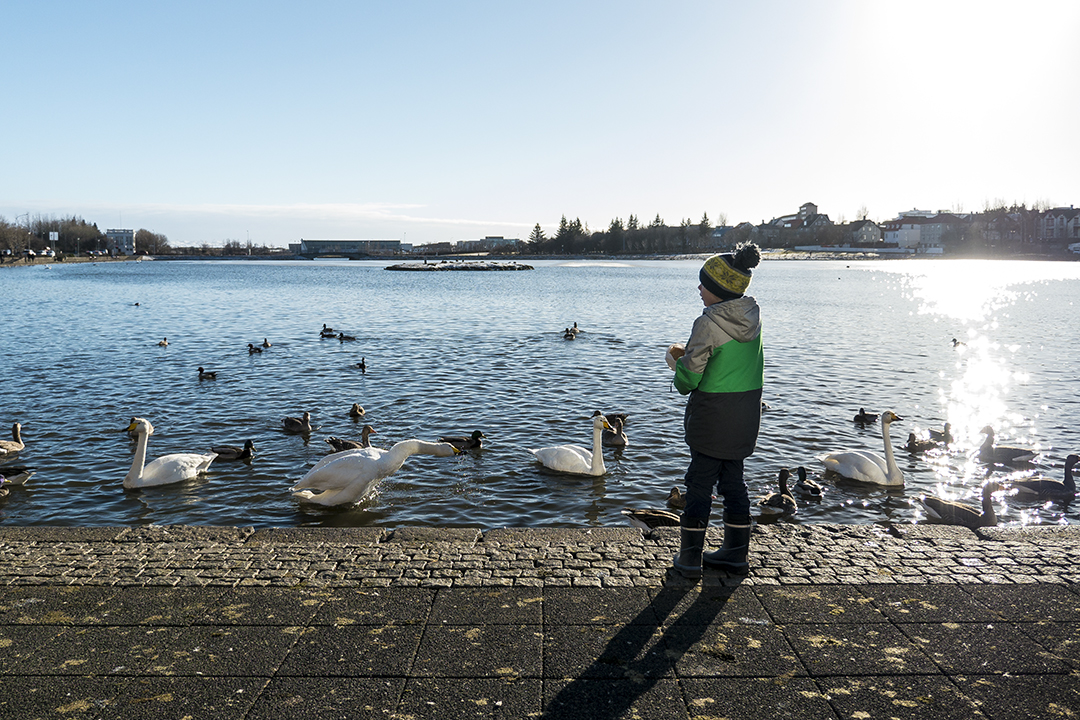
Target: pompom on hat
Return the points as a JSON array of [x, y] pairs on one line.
[[728, 275]]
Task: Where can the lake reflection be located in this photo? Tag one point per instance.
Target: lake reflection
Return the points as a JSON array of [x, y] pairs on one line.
[[452, 352]]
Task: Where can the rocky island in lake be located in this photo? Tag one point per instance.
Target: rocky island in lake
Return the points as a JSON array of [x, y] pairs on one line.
[[461, 265]]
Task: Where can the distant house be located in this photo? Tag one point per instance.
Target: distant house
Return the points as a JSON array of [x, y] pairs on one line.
[[1058, 224], [862, 231], [905, 231], [120, 242], [806, 224], [942, 228], [349, 247]]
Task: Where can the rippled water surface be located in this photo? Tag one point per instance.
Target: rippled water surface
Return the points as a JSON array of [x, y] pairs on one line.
[[448, 353]]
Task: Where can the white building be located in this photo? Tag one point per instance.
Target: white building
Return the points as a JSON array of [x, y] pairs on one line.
[[120, 242]]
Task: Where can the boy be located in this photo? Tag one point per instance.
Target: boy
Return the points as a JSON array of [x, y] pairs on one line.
[[721, 368]]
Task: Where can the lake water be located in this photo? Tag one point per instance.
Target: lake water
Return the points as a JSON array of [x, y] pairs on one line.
[[448, 353]]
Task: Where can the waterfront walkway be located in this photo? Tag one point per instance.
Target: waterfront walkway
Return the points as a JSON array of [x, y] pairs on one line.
[[832, 622]]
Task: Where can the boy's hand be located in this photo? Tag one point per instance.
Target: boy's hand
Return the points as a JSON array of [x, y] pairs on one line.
[[674, 352]]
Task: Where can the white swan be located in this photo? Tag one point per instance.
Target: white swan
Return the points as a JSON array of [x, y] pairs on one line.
[[868, 467], [173, 468], [576, 459], [347, 477]]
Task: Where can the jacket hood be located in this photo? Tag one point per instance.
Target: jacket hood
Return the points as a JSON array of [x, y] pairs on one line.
[[739, 318]]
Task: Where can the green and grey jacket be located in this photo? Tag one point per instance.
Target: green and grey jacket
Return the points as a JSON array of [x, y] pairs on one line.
[[723, 372]]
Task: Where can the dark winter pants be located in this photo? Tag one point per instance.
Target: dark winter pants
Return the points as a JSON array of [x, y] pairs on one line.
[[726, 476]]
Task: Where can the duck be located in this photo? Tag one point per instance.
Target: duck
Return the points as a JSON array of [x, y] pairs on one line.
[[958, 343], [916, 446], [474, 441], [252, 349], [343, 337], [167, 469], [806, 486], [341, 445], [942, 436], [864, 417], [649, 518], [13, 446], [575, 329], [327, 329], [297, 425], [949, 512], [1002, 454], [568, 335], [3, 486], [17, 474], [232, 452], [356, 411], [164, 342], [327, 332], [573, 458], [676, 499], [867, 467], [779, 503], [362, 366], [615, 437], [207, 375], [348, 477], [1035, 488], [266, 343]]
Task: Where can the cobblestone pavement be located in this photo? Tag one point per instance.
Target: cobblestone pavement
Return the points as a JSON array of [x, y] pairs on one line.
[[467, 557], [833, 622]]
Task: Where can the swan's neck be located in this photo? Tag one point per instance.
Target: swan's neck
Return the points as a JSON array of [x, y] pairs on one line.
[[597, 451], [895, 477], [139, 462], [397, 454], [1070, 484]]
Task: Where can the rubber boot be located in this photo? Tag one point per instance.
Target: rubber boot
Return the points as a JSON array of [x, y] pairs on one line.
[[732, 554], [691, 544]]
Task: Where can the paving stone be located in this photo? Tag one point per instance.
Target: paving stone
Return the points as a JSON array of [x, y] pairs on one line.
[[1007, 697], [226, 650], [904, 697], [55, 605], [856, 649], [339, 537], [817, 604], [609, 651], [933, 603], [330, 698], [262, 606], [640, 699], [374, 606], [982, 648], [102, 651], [48, 534], [507, 651], [1030, 603], [353, 651], [605, 606], [489, 606], [777, 698], [731, 649], [221, 698], [77, 698], [442, 698]]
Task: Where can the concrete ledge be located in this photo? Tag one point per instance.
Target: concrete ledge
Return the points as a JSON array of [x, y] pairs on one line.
[[61, 534], [317, 536], [409, 534], [1039, 534], [184, 533], [562, 536]]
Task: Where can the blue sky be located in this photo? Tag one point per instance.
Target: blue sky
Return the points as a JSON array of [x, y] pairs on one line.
[[434, 121]]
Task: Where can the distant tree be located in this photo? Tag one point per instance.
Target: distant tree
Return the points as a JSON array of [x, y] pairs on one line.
[[721, 219], [862, 213], [632, 223], [704, 227], [657, 222], [537, 237], [152, 242]]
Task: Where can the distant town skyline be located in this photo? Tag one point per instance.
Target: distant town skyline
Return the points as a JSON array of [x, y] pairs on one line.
[[428, 122]]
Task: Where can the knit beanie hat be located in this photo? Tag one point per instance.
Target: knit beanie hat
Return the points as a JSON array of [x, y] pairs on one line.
[[728, 275]]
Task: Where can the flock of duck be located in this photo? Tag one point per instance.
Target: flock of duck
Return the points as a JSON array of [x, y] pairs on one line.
[[869, 468]]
